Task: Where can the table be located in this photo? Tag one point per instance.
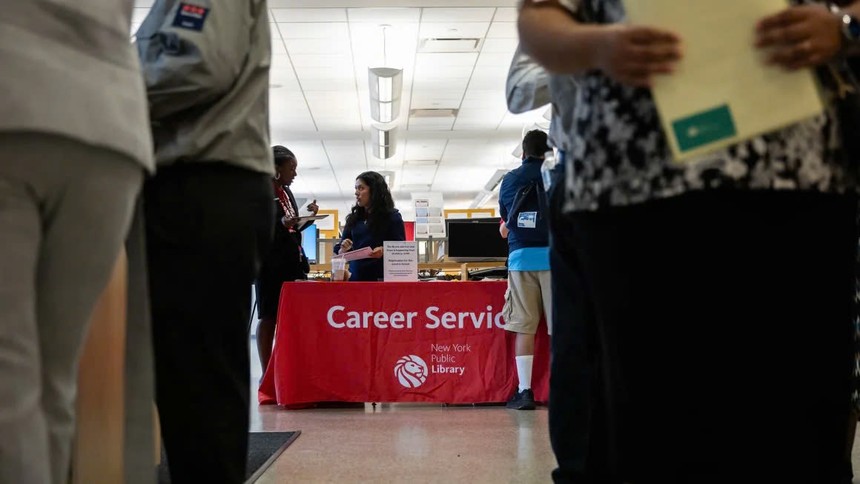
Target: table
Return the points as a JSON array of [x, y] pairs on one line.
[[395, 342]]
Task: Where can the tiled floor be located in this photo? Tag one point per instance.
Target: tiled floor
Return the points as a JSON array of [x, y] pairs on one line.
[[409, 443], [413, 444]]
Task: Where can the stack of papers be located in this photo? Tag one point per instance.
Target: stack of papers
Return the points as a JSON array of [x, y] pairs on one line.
[[357, 254]]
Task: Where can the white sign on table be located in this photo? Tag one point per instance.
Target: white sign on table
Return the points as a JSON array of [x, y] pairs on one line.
[[400, 261]]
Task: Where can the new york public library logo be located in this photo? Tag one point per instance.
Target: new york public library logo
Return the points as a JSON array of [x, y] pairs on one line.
[[411, 371]]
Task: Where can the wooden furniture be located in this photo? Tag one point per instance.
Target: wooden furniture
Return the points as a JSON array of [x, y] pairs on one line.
[[446, 267], [97, 455]]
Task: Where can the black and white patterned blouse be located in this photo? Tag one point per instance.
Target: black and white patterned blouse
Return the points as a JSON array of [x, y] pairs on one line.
[[618, 154]]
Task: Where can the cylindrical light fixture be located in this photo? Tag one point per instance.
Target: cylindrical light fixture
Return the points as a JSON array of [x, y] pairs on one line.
[[386, 85], [383, 140]]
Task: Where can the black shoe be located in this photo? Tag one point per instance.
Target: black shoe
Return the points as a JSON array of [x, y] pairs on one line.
[[524, 400]]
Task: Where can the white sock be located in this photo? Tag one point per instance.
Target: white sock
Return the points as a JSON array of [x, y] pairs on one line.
[[524, 371]]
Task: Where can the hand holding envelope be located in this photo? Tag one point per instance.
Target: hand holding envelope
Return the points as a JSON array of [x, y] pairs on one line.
[[633, 54], [800, 37], [725, 90]]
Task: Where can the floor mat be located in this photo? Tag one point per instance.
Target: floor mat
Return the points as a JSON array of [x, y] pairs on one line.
[[263, 449]]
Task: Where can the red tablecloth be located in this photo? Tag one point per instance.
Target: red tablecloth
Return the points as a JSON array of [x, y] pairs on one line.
[[395, 342]]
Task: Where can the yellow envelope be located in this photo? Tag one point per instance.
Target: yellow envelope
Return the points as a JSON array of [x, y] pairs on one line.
[[723, 92]]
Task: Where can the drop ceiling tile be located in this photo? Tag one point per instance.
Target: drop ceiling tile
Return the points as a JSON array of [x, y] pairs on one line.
[[435, 102], [287, 128], [331, 31], [335, 72], [330, 85], [425, 149], [443, 72], [462, 178], [436, 84], [431, 124], [506, 15], [451, 30], [317, 46], [306, 151], [317, 185], [417, 175], [309, 14], [475, 124], [349, 153], [477, 99], [467, 147], [508, 45], [346, 101], [496, 113], [283, 97], [487, 83], [462, 14], [441, 61], [322, 60], [387, 15], [284, 80], [281, 61], [494, 59], [503, 30]]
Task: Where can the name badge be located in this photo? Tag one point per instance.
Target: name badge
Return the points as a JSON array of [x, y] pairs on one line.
[[527, 220]]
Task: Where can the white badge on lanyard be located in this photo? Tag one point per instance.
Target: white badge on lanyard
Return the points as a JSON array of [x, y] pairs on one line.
[[527, 220]]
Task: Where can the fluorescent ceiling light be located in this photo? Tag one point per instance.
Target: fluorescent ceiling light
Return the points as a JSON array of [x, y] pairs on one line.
[[384, 112], [386, 85], [481, 199], [383, 140], [495, 180], [389, 178]]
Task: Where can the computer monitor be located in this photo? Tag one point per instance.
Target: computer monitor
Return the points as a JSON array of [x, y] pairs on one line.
[[310, 243], [475, 239]]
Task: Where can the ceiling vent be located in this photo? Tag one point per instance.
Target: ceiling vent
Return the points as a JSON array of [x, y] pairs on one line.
[[434, 113], [444, 46]]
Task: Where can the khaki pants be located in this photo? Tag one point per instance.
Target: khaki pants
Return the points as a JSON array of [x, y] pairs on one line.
[[528, 297], [65, 208]]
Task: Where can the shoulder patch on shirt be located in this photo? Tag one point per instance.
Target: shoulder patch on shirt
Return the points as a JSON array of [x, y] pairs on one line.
[[191, 17]]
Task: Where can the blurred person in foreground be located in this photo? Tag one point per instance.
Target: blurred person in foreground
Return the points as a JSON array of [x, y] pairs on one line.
[[74, 146], [208, 222], [707, 337]]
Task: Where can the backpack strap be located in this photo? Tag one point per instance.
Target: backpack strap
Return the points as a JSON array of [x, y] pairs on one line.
[[534, 188]]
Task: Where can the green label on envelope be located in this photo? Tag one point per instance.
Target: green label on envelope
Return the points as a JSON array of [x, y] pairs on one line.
[[704, 128]]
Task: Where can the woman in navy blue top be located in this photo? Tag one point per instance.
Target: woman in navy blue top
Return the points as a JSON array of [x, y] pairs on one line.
[[372, 221]]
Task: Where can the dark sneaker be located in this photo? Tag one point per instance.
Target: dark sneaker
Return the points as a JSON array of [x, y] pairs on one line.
[[524, 400]]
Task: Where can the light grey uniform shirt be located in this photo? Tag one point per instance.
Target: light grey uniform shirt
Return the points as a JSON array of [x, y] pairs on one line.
[[528, 87], [68, 68], [206, 66]]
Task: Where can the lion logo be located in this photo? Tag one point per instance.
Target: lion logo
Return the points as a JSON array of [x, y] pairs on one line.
[[411, 371]]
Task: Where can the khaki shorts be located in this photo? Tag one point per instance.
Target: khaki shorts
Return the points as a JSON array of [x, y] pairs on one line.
[[529, 296]]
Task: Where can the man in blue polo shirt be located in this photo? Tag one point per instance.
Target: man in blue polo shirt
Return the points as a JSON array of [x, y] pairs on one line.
[[529, 295]]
